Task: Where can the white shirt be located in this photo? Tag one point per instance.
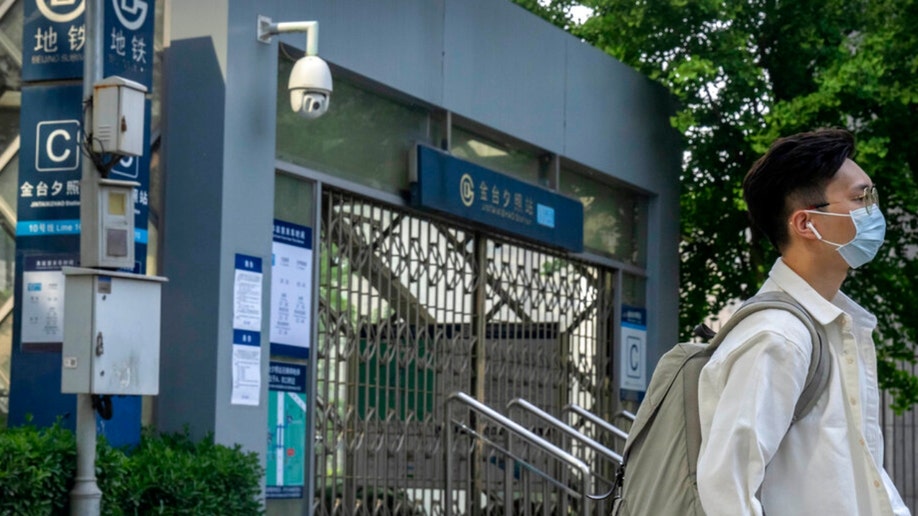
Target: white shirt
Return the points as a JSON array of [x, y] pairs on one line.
[[827, 463]]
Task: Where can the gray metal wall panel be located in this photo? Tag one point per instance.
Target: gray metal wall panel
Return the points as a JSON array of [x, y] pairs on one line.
[[248, 206], [615, 118], [206, 18], [219, 128], [662, 277], [192, 201], [505, 68], [395, 42], [493, 62], [617, 122]]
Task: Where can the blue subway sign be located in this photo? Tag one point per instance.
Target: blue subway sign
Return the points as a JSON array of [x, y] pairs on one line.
[[457, 187], [50, 155], [128, 40], [54, 40]]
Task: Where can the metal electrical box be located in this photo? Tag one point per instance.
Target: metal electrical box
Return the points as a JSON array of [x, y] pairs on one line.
[[111, 332], [107, 229], [117, 116]]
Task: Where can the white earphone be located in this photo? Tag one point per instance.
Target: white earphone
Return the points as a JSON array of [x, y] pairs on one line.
[[813, 229]]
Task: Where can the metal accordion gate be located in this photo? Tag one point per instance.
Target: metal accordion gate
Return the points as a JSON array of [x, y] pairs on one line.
[[413, 308]]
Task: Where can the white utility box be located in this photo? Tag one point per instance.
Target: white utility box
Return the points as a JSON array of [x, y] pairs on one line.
[[111, 332], [107, 232], [118, 116]]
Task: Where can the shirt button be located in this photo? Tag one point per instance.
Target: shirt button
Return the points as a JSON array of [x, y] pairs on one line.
[[853, 400], [861, 441], [876, 483], [850, 360]]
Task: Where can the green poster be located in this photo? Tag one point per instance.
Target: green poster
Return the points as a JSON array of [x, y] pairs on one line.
[[286, 458]]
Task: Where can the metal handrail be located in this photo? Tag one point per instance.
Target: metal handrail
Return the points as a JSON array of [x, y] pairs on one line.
[[596, 420], [497, 446], [625, 414], [518, 430], [564, 427]]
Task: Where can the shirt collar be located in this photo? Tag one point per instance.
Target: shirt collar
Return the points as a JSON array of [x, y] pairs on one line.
[[861, 316], [784, 278]]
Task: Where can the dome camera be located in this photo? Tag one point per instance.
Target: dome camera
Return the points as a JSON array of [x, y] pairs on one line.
[[310, 83], [310, 87]]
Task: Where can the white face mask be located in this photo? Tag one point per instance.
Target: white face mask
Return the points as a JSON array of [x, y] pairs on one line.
[[870, 231]]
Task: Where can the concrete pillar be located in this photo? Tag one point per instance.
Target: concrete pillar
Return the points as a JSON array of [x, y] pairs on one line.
[[218, 147]]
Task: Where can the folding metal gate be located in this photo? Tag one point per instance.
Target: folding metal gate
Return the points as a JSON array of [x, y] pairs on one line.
[[412, 309]]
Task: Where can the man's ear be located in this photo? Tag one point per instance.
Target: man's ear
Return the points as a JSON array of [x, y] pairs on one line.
[[802, 226]]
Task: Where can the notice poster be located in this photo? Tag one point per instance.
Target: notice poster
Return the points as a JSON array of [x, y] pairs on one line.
[[286, 457], [247, 294], [43, 299], [247, 331], [291, 290]]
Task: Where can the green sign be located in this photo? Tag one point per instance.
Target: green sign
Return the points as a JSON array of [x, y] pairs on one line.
[[395, 381], [286, 458]]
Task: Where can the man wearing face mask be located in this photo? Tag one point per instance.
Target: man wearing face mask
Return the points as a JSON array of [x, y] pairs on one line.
[[821, 211]]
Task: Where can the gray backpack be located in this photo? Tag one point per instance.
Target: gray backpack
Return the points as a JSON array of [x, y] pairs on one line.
[[658, 472]]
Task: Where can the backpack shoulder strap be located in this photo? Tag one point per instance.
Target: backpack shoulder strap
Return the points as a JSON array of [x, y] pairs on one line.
[[820, 362], [667, 376]]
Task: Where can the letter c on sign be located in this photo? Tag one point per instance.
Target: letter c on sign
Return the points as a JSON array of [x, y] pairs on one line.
[[634, 356], [49, 145]]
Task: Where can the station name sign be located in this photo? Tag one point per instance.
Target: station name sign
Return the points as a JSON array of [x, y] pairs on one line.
[[54, 38], [474, 193]]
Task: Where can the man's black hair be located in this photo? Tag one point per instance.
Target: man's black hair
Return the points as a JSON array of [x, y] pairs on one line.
[[793, 175]]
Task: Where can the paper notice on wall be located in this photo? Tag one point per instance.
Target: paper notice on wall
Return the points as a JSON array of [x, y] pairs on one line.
[[247, 293], [246, 374]]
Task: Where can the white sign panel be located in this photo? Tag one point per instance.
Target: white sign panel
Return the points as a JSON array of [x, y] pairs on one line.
[[633, 356], [291, 290], [43, 299], [43, 306]]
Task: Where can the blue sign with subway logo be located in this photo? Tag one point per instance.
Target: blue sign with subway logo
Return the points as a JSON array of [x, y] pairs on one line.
[[457, 187], [50, 156], [54, 40]]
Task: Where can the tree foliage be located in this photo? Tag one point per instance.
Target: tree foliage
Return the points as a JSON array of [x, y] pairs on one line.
[[748, 71]]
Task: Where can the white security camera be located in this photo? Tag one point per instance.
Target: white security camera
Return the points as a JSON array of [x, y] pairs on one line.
[[310, 81], [310, 87]]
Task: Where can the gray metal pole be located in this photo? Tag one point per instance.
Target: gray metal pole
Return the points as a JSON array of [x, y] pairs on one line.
[[89, 181], [86, 497]]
